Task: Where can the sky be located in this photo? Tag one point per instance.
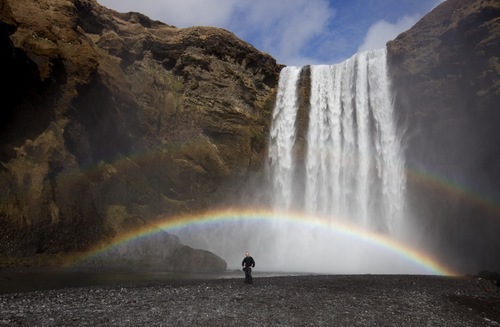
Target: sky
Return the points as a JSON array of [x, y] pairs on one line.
[[294, 32]]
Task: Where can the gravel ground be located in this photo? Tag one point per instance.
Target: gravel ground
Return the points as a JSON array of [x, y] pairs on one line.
[[316, 300]]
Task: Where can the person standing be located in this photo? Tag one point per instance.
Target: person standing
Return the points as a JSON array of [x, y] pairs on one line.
[[248, 263]]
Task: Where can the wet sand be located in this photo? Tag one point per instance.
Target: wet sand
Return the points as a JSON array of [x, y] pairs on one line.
[[311, 300]]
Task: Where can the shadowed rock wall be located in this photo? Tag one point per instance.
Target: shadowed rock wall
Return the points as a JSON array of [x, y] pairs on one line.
[[445, 71]]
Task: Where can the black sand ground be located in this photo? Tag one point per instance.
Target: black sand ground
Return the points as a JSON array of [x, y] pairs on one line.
[[333, 300]]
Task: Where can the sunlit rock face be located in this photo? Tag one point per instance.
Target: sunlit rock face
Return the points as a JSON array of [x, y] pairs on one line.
[[111, 117], [446, 72]]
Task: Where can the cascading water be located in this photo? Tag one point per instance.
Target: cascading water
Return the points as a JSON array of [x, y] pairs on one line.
[[353, 165], [283, 136], [336, 178]]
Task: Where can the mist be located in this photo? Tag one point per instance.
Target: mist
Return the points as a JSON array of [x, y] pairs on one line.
[[291, 246], [336, 174]]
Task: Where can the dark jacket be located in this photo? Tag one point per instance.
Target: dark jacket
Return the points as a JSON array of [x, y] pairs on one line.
[[248, 262]]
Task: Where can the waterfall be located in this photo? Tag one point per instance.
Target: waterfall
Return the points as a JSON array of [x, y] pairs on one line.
[[353, 167], [283, 137], [336, 166]]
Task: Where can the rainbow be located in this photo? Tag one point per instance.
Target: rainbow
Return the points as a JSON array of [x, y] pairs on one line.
[[231, 215], [432, 181], [488, 206]]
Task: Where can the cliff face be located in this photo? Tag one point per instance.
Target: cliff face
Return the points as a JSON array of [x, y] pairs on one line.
[[446, 72], [111, 117], [110, 120]]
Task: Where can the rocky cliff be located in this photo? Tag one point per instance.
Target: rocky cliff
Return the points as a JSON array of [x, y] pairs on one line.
[[109, 120], [446, 71]]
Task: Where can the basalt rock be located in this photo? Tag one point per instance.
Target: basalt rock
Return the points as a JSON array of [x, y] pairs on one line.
[[445, 71], [112, 117]]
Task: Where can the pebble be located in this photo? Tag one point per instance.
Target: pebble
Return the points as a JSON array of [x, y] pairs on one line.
[[336, 300]]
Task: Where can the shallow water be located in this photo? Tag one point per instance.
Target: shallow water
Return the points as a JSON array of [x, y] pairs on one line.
[[16, 282]]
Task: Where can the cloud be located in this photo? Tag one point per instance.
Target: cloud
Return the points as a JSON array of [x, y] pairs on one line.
[[186, 13], [295, 32], [279, 28], [181, 13], [381, 32], [283, 29]]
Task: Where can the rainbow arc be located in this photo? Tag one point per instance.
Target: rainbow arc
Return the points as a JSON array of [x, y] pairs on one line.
[[226, 216]]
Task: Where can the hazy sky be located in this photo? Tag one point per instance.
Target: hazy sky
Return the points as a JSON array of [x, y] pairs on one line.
[[295, 32]]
